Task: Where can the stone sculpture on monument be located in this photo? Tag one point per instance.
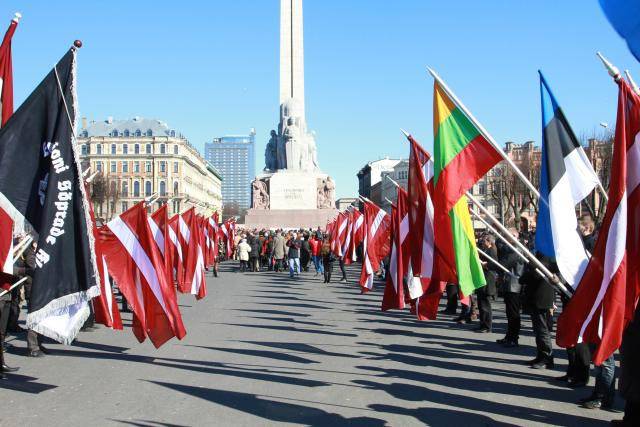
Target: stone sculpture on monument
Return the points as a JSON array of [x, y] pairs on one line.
[[292, 191]]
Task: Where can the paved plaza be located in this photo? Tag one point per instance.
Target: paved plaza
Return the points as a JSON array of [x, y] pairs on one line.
[[262, 349]]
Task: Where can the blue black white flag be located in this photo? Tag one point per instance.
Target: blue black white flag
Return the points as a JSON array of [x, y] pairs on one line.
[[566, 178]]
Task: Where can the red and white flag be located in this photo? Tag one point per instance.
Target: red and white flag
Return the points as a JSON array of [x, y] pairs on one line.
[[6, 106], [214, 231], [346, 243], [394, 290], [340, 233], [175, 247], [606, 297], [357, 235], [194, 268], [375, 245], [159, 224], [135, 262]]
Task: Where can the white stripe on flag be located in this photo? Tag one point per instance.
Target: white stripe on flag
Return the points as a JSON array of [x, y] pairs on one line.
[[157, 234], [184, 229], [174, 239], [108, 293], [139, 256]]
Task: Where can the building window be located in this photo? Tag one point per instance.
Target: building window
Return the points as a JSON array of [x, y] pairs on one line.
[[175, 149], [149, 132], [126, 133], [173, 133], [482, 188], [138, 133], [125, 189], [136, 148], [113, 148], [163, 166], [99, 148], [163, 149], [125, 206], [136, 189], [125, 149], [125, 167], [175, 167], [147, 188], [148, 148], [163, 189], [114, 133], [147, 167], [83, 150], [136, 167], [99, 166], [113, 167]]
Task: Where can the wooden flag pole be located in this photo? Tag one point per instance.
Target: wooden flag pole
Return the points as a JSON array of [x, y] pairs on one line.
[[484, 133], [15, 285], [555, 281]]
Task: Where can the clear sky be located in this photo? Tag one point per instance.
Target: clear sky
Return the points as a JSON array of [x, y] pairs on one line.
[[210, 68]]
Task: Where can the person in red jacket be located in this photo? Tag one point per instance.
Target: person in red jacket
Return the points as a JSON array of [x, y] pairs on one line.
[[316, 244]]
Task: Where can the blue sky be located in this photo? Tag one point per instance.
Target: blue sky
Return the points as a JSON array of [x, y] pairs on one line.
[[210, 68]]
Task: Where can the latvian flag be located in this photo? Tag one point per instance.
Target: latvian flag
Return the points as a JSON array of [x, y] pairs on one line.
[[40, 182], [375, 245], [135, 262]]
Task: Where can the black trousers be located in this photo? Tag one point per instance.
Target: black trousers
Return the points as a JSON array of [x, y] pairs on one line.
[[328, 269], [14, 310], [452, 297], [344, 272], [5, 308], [579, 358], [512, 303], [485, 314], [542, 321]]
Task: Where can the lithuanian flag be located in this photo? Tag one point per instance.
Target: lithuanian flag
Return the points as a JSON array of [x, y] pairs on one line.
[[461, 157]]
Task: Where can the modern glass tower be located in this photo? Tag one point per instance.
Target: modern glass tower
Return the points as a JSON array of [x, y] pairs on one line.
[[234, 157]]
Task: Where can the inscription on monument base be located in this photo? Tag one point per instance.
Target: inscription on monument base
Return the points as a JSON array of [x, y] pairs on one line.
[[289, 190]]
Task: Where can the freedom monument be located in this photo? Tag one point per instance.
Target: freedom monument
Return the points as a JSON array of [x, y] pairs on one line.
[[292, 191]]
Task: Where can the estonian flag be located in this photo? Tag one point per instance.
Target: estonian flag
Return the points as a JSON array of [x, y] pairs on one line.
[[566, 177], [624, 15]]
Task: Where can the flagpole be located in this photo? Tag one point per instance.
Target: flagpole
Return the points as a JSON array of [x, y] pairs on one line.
[[633, 84], [493, 261], [15, 285], [484, 133], [498, 235], [552, 277], [22, 246]]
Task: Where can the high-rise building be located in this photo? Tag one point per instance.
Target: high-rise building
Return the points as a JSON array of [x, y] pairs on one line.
[[234, 156], [139, 158]]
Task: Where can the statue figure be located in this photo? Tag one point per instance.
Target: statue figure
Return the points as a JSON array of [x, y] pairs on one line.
[[291, 138], [321, 194], [260, 195], [330, 192], [312, 153], [271, 152]]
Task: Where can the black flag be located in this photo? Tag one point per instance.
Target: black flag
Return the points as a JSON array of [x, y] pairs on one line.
[[40, 182]]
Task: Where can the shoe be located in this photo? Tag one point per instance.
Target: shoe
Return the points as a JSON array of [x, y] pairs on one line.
[[44, 350], [510, 344], [36, 353], [543, 363], [482, 330], [592, 404], [564, 378], [6, 368], [501, 341]]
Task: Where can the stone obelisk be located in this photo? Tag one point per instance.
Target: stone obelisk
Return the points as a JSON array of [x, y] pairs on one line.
[[292, 192], [292, 53]]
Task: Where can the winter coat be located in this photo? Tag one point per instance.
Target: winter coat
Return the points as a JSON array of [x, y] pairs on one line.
[[243, 251], [515, 265], [538, 293], [490, 274], [629, 384], [279, 247], [256, 248], [294, 248]]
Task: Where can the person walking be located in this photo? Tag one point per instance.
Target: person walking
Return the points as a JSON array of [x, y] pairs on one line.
[[327, 260], [243, 254], [315, 245], [294, 245], [279, 251], [305, 252], [254, 255]]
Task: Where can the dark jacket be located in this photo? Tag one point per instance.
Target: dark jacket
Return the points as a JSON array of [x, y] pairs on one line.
[[490, 273], [539, 294], [294, 248], [256, 248], [512, 262]]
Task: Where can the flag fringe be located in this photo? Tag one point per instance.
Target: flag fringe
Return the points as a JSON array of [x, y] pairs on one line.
[[54, 308]]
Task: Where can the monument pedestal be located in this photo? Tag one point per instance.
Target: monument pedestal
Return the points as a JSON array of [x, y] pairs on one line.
[[295, 199]]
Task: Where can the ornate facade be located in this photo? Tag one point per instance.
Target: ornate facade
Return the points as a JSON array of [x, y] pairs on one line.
[[138, 158]]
